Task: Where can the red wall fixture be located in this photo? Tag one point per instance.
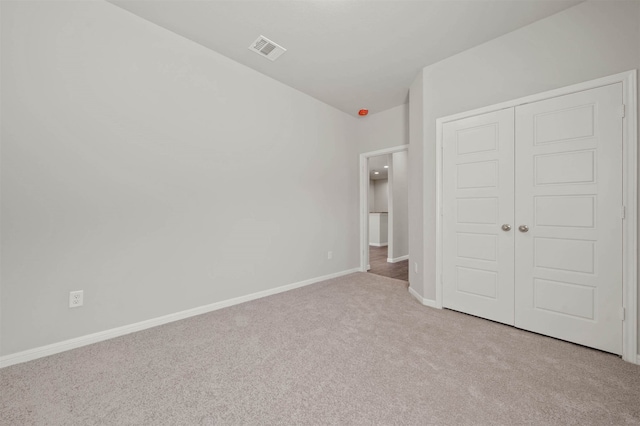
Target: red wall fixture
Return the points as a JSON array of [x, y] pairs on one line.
[[363, 112]]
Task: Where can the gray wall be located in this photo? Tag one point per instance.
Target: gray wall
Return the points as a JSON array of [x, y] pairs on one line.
[[381, 195], [398, 205], [372, 196], [590, 40], [384, 129], [155, 175], [416, 197]]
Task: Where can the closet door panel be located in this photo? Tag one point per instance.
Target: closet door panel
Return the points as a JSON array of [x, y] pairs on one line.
[[478, 199], [568, 194]]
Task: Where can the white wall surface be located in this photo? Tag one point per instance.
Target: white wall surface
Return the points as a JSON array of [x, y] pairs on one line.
[[415, 186], [398, 205], [384, 129], [378, 229], [588, 41], [155, 175], [381, 195], [372, 196]]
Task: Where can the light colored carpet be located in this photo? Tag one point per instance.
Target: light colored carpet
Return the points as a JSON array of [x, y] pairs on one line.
[[352, 350]]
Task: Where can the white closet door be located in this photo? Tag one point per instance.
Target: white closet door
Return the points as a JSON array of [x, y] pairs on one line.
[[569, 195], [478, 200]]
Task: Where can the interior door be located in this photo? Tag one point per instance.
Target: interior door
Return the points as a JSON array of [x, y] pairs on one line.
[[478, 181], [569, 198]]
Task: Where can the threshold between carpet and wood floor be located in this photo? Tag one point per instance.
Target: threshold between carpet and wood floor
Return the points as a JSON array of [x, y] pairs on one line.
[[380, 266], [357, 349]]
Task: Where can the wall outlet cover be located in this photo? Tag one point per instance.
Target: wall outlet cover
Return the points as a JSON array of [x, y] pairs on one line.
[[76, 298]]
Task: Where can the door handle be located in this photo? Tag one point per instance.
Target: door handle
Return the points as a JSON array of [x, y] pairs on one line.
[[506, 227], [523, 228]]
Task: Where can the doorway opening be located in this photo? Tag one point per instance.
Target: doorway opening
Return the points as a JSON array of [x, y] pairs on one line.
[[384, 213]]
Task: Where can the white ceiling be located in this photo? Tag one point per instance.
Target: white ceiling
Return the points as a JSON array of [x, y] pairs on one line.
[[348, 53], [376, 164]]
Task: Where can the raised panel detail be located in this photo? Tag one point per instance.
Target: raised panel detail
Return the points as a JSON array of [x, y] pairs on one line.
[[477, 281], [564, 298], [477, 210], [477, 246], [477, 139], [483, 174], [562, 125], [566, 211], [566, 167], [565, 254]]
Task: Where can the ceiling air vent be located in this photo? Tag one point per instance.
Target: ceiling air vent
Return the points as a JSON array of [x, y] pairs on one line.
[[267, 48]]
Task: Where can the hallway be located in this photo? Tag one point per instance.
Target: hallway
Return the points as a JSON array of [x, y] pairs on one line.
[[380, 266]]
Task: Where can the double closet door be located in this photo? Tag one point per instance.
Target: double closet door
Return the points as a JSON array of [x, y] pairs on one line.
[[532, 217]]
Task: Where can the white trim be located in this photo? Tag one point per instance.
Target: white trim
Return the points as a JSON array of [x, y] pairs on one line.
[[426, 302], [430, 303], [398, 259], [439, 212], [638, 360], [629, 225], [77, 342], [415, 294], [630, 184], [390, 208], [364, 199], [379, 244]]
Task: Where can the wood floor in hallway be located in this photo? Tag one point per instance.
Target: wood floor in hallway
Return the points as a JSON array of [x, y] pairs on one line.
[[380, 266]]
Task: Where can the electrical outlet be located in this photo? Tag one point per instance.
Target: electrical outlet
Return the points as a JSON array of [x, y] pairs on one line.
[[329, 255], [415, 267], [76, 298]]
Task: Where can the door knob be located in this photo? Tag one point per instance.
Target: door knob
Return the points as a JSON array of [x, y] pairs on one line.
[[523, 228], [506, 227]]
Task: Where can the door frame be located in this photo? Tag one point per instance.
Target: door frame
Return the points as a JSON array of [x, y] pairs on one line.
[[364, 200], [629, 194]]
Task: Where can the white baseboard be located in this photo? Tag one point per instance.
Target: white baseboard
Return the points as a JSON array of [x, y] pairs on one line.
[[54, 348], [425, 302], [415, 294], [379, 244], [397, 259]]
